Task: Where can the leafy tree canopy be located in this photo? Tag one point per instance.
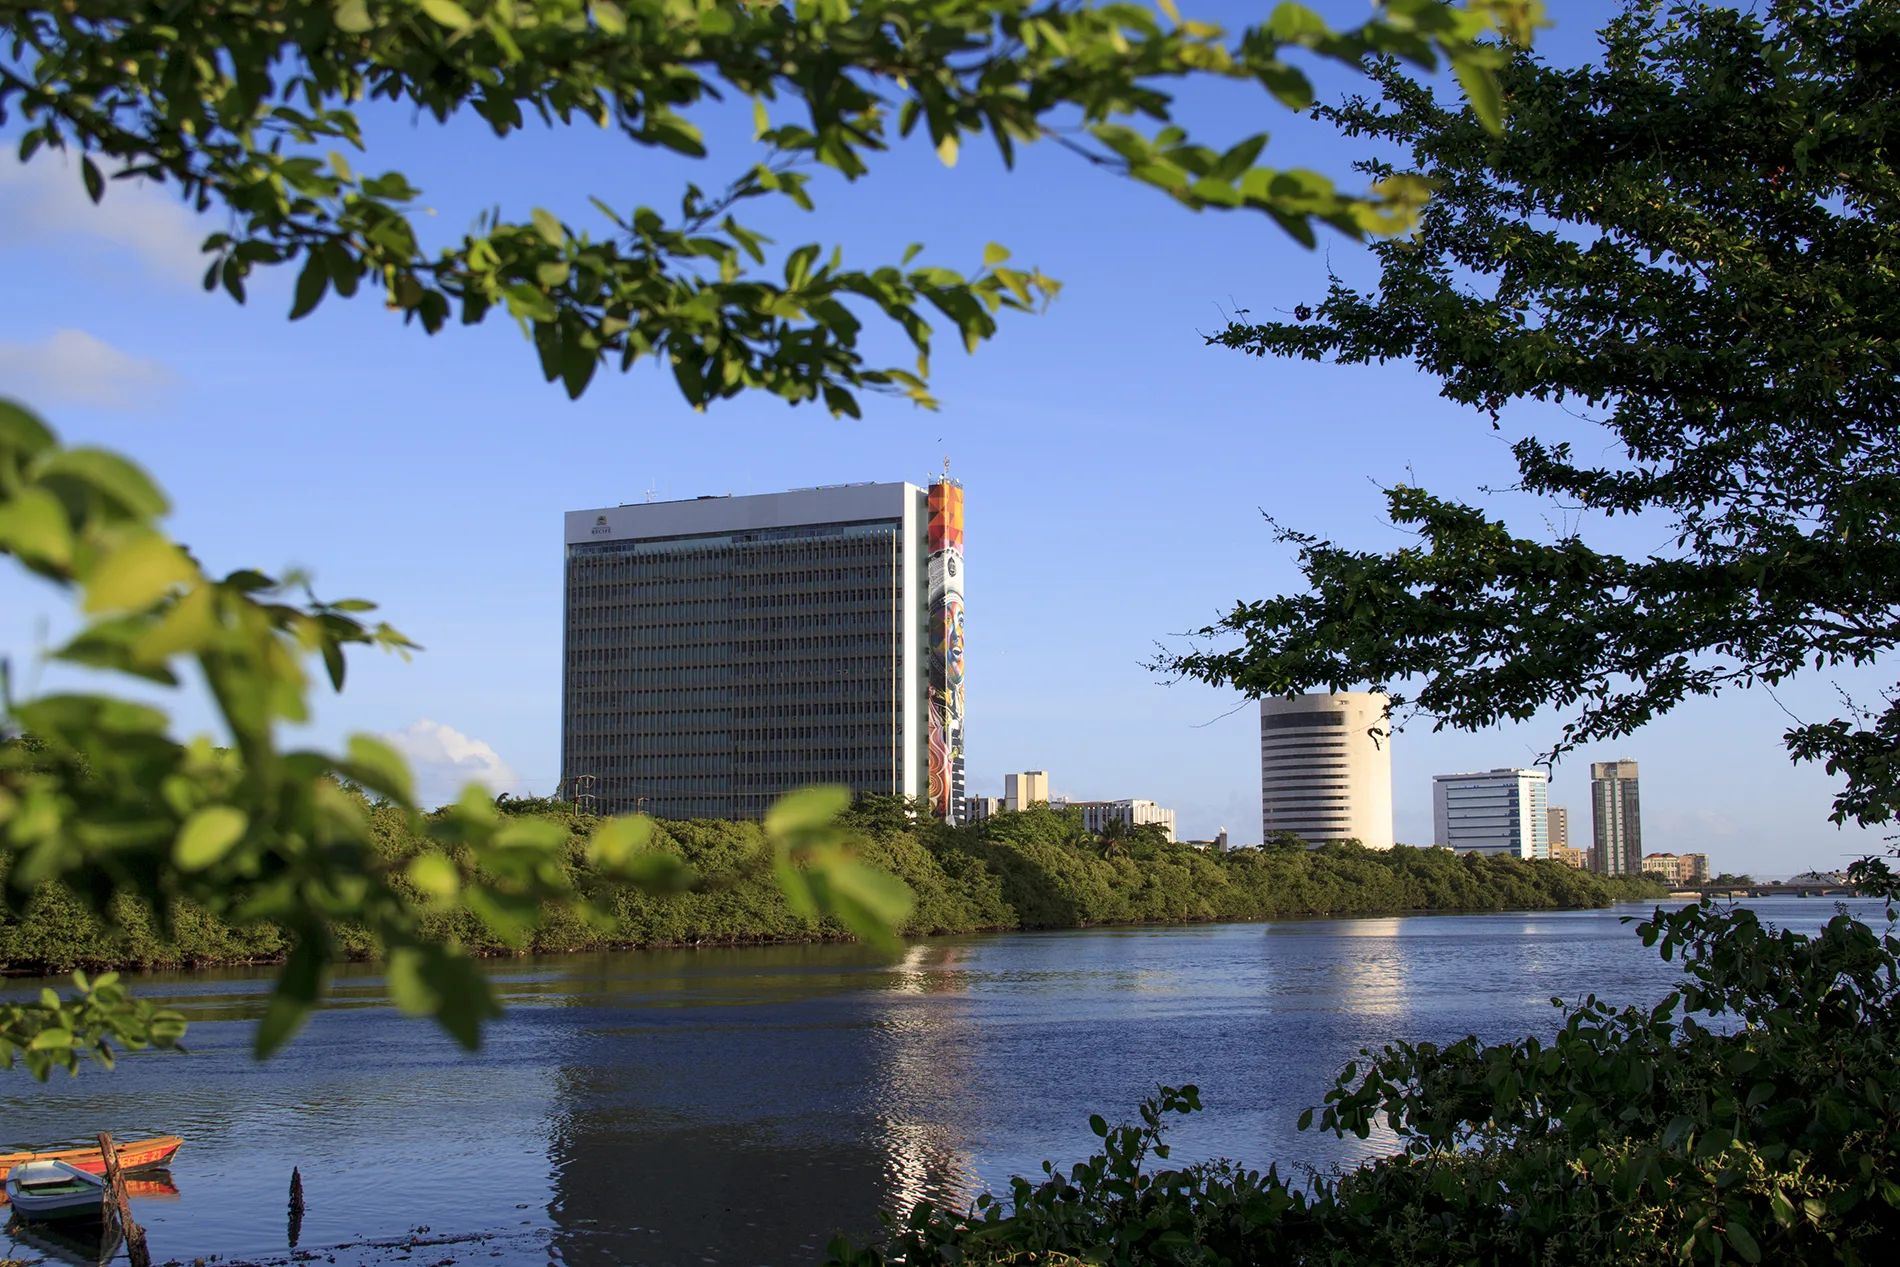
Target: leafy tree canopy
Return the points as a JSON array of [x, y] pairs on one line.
[[243, 105], [1695, 239]]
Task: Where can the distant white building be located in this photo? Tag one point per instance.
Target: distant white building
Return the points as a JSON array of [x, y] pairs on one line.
[[977, 808], [1096, 815], [1326, 768], [1020, 791], [1493, 812]]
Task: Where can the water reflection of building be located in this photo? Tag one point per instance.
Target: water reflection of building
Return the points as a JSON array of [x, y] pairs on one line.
[[1373, 974], [752, 1132]]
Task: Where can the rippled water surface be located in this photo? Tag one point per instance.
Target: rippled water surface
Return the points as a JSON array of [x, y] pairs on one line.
[[740, 1105]]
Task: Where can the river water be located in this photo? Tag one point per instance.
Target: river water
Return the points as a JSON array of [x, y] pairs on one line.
[[738, 1105]]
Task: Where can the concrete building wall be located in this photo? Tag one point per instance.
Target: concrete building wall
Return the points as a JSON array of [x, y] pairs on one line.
[[1558, 828], [1326, 768], [1096, 815], [1678, 869], [1020, 791]]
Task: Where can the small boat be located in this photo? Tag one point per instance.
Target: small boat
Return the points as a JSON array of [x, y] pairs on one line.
[[151, 1185], [138, 1154], [55, 1190]]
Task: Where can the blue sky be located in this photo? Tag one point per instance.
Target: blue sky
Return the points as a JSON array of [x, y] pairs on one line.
[[1116, 467]]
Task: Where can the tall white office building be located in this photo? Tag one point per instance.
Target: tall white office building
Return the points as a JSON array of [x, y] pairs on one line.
[[725, 650], [1493, 812], [1326, 768]]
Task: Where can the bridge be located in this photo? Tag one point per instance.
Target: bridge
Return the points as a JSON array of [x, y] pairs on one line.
[[1814, 888]]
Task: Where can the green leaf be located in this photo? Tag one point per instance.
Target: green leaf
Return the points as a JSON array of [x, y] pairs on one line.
[[617, 839], [33, 526], [432, 981], [137, 574], [208, 835], [1481, 89], [95, 183], [190, 625], [448, 13], [807, 811], [311, 283], [353, 16], [21, 431], [110, 475], [947, 150], [299, 982], [435, 875], [548, 226], [381, 768], [1742, 1240]]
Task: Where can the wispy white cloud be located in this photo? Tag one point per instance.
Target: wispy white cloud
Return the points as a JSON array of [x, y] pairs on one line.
[[45, 201], [71, 367], [445, 761]]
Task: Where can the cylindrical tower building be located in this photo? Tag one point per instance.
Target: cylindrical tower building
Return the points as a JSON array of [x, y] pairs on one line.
[[1326, 768]]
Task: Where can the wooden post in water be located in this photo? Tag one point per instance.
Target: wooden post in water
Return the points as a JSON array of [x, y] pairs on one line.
[[296, 1206], [115, 1186]]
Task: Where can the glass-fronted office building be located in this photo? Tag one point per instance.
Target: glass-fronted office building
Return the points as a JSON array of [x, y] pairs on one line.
[[1493, 812], [722, 651]]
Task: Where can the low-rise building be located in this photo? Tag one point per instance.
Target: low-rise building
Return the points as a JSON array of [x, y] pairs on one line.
[[1097, 815], [1578, 858], [977, 808], [1678, 869]]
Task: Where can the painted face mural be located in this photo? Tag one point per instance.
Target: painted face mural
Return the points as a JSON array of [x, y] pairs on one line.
[[945, 542]]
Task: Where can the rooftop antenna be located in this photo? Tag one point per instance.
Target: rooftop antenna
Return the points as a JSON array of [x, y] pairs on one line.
[[653, 494]]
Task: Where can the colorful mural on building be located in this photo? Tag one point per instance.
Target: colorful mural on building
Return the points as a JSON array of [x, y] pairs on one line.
[[945, 545]]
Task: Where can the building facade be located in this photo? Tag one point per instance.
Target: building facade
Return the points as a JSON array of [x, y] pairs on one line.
[[978, 808], [1616, 819], [1557, 828], [1578, 858], [1020, 791], [1097, 815], [1678, 869], [1326, 768], [1492, 812], [722, 651]]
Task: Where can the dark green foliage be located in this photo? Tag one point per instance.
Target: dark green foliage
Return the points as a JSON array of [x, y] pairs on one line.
[[1749, 1117], [1037, 869], [1694, 242]]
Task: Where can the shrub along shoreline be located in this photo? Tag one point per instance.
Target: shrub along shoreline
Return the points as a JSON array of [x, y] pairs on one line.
[[1040, 869]]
